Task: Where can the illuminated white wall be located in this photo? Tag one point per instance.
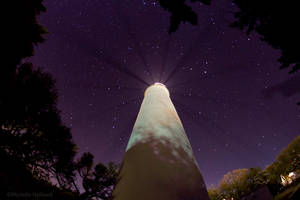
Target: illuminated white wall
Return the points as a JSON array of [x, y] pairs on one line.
[[159, 162]]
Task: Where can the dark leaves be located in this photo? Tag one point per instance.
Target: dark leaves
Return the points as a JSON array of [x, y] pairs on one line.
[[98, 181], [274, 21], [31, 129], [20, 30], [180, 12]]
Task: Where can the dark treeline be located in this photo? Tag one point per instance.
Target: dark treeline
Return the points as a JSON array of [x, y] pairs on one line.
[[37, 153]]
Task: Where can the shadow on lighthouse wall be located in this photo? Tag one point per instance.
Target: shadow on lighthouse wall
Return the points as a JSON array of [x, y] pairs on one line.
[[156, 169]]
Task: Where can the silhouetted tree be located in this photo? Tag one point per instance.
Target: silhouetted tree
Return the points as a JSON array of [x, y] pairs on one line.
[[237, 183], [97, 181], [36, 148], [31, 132], [288, 160], [180, 12], [242, 181], [20, 31], [274, 21], [16, 179], [30, 126]]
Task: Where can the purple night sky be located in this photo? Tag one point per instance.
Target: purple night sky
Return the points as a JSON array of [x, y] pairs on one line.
[[234, 102]]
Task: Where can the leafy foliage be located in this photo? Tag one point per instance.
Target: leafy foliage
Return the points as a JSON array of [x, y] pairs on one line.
[[36, 148], [30, 126], [180, 12], [20, 31], [237, 183], [288, 160], [32, 133], [98, 181], [274, 21], [15, 178]]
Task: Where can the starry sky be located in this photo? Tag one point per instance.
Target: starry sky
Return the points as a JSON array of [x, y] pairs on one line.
[[238, 109]]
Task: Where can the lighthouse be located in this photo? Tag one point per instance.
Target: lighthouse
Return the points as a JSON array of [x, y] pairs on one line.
[[159, 163]]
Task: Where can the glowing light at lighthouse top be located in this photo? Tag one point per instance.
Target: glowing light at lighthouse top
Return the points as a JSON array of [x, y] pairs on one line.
[[158, 86]]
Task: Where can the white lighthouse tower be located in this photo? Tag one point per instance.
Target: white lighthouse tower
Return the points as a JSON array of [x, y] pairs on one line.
[[159, 163]]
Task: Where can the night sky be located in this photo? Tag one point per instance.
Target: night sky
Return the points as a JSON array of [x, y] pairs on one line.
[[234, 102]]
